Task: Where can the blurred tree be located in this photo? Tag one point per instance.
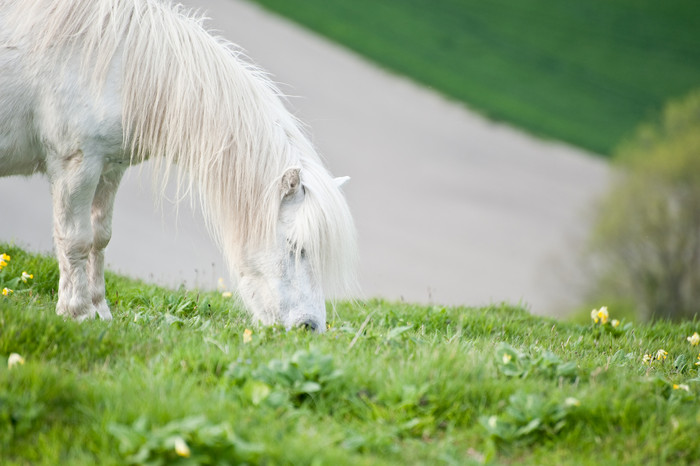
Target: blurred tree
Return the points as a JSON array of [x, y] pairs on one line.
[[646, 241]]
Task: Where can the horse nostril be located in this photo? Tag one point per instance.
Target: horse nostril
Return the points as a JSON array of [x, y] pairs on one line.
[[309, 325]]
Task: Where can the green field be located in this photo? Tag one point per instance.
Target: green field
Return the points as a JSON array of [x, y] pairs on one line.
[[175, 378], [585, 72]]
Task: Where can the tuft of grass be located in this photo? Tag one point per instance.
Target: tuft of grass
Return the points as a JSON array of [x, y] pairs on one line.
[[586, 72], [184, 377]]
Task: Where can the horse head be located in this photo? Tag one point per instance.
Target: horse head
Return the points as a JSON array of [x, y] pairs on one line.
[[280, 282]]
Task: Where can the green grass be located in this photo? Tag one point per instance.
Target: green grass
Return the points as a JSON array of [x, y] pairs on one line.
[[585, 72], [389, 383]]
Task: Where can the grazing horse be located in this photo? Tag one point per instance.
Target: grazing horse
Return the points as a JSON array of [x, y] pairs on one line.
[[90, 87]]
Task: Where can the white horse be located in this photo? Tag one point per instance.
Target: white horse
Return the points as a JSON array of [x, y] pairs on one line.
[[88, 87]]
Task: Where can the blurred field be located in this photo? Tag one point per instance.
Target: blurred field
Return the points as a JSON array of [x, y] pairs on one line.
[[584, 72]]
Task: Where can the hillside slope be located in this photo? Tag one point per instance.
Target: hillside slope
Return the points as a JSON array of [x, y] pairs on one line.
[[181, 377]]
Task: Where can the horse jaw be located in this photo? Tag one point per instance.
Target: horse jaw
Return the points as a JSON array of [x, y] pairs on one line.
[[282, 290], [301, 299]]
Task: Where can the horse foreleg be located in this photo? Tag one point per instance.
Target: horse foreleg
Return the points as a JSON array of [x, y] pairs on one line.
[[102, 208], [73, 178]]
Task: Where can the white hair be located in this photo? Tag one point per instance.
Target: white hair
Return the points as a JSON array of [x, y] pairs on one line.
[[193, 100]]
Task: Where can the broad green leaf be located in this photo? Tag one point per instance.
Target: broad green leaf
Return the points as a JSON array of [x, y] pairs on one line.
[[256, 391]]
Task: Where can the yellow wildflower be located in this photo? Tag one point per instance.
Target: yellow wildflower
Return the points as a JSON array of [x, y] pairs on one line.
[[506, 358], [647, 359], [615, 323], [14, 360], [594, 316], [603, 315], [247, 336], [226, 294], [181, 448], [694, 339], [3, 260], [681, 387], [698, 363], [27, 276], [600, 315], [571, 401], [6, 291], [661, 355]]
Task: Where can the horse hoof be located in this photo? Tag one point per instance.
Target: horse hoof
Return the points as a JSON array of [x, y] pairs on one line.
[[102, 310], [76, 313]]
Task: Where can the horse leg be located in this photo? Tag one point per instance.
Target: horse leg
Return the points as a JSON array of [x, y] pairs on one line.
[[73, 178], [102, 208]]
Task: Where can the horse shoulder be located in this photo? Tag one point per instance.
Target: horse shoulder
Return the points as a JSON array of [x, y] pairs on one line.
[[19, 152], [72, 117]]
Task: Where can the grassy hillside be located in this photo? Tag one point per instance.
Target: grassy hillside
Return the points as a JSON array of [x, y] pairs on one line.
[[184, 378], [585, 72]]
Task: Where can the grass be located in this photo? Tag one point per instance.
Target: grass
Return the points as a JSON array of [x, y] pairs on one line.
[[584, 72], [180, 373]]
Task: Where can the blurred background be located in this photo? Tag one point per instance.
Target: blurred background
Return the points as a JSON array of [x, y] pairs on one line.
[[481, 139]]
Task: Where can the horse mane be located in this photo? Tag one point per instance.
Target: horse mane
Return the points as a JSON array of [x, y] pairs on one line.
[[193, 100]]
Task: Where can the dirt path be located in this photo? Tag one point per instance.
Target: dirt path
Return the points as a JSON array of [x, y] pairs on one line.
[[451, 208]]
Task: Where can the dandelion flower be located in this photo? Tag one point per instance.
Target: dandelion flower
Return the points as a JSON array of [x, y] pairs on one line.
[[506, 358], [27, 276], [6, 291], [615, 323], [681, 387], [661, 355], [603, 315], [694, 339], [181, 448], [14, 360], [247, 336]]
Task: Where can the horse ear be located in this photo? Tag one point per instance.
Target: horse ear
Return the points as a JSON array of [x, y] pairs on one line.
[[290, 182], [341, 180]]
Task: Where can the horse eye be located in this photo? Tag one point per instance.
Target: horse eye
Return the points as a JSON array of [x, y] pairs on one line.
[[295, 250]]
